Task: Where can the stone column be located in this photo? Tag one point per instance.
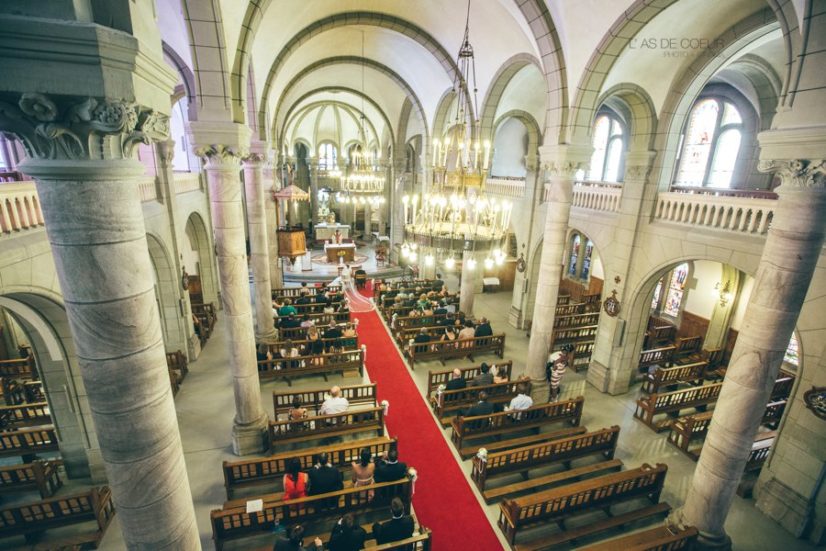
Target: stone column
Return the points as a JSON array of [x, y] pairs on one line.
[[789, 257], [222, 168], [467, 285], [271, 225], [87, 185], [259, 251], [558, 210]]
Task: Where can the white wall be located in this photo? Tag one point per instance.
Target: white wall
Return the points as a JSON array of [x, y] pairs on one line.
[[596, 267], [700, 298], [509, 149]]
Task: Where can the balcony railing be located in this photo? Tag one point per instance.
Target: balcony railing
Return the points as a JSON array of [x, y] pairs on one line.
[[742, 212], [187, 181], [506, 186], [603, 196], [147, 189], [19, 207]]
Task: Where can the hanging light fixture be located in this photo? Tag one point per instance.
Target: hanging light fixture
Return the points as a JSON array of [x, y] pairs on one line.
[[457, 214]]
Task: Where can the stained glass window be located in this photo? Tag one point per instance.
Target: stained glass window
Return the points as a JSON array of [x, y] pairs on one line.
[[572, 261], [586, 260], [608, 145], [674, 296], [792, 352], [711, 145], [327, 156], [655, 300]]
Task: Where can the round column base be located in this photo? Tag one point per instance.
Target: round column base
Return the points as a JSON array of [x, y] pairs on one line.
[[250, 438]]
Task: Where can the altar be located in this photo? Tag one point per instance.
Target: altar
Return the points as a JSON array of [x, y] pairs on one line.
[[334, 251], [325, 232]]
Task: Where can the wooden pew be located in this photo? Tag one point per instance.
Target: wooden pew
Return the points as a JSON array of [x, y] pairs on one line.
[[688, 346], [497, 424], [357, 395], [12, 391], [688, 429], [28, 442], [25, 415], [300, 333], [783, 386], [660, 334], [570, 309], [405, 335], [523, 459], [656, 356], [407, 322], [572, 335], [453, 400], [666, 376], [266, 470], [320, 364], [42, 476], [558, 504], [33, 392], [345, 343], [661, 538], [464, 348], [436, 378], [774, 411], [18, 368], [576, 320], [33, 518], [582, 355], [324, 426], [232, 521], [177, 364], [673, 402], [593, 303], [295, 292]]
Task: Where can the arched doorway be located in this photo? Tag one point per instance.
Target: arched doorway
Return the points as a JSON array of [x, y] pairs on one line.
[[167, 296], [197, 261]]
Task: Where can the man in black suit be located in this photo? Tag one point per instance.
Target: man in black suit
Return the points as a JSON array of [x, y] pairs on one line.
[[421, 338], [438, 283], [397, 528], [289, 322], [333, 332], [483, 329], [347, 535], [456, 382], [484, 377], [390, 468], [482, 407], [439, 308], [325, 478]]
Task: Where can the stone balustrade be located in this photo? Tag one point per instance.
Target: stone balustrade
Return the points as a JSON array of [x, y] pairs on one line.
[[187, 181], [735, 211], [19, 207], [597, 196], [505, 186], [147, 189]]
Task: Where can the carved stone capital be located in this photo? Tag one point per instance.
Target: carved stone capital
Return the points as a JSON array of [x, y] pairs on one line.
[[637, 172], [800, 174], [71, 128], [563, 169], [221, 156], [166, 151], [255, 159]]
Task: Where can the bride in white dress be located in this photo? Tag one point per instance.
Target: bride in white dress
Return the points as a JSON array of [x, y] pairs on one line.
[[355, 300]]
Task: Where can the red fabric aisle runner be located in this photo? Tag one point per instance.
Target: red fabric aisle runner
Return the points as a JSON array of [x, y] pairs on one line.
[[443, 500]]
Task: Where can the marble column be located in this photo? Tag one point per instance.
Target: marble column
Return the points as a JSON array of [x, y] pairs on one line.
[[558, 210], [270, 206], [783, 276], [259, 251], [87, 186], [467, 285], [223, 177]]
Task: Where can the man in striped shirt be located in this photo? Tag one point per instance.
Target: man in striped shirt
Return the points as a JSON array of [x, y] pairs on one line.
[[559, 363]]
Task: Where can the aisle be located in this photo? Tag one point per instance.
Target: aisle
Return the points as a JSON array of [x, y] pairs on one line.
[[443, 500]]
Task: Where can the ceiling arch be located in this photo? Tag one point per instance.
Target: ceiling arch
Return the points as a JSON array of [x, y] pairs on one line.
[[316, 110]]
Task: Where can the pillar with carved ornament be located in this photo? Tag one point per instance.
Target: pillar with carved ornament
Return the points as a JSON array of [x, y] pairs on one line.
[[259, 250], [87, 186], [561, 164], [783, 276], [223, 165]]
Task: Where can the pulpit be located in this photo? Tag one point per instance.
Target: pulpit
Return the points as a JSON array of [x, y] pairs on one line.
[[291, 243]]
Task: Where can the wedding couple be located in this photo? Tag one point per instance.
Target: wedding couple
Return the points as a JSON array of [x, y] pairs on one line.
[[355, 300]]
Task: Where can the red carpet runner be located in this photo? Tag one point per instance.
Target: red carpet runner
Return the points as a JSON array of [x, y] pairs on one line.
[[443, 500]]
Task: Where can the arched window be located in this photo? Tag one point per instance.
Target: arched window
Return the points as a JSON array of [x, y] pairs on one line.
[[711, 144], [177, 132], [327, 156], [609, 144], [792, 356], [574, 256], [670, 291], [586, 260]]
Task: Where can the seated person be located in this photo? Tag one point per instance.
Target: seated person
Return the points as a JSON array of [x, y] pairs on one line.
[[522, 400], [421, 338], [293, 540], [422, 303], [304, 299], [439, 308], [484, 377], [349, 337], [482, 407], [456, 382], [287, 309], [290, 350], [295, 482], [449, 320], [297, 411], [306, 321], [497, 378], [347, 535], [483, 329], [333, 333], [289, 322], [334, 403], [449, 335], [399, 527], [262, 353], [324, 478], [389, 468], [467, 332]]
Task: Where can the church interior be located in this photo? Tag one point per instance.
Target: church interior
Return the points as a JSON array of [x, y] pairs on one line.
[[465, 275]]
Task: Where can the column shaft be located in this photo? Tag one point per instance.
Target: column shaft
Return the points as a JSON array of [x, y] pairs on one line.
[[224, 182], [783, 277], [259, 250], [550, 271], [98, 240]]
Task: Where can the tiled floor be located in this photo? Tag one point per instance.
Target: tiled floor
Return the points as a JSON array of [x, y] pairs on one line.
[[205, 412]]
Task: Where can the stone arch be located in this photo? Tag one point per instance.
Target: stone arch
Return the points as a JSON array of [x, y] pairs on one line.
[[500, 82], [383, 20], [766, 82], [167, 295], [43, 318], [196, 231], [534, 133], [442, 110], [635, 105], [208, 55], [187, 77]]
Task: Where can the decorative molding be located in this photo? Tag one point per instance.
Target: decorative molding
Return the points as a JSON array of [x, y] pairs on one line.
[[62, 128], [563, 169], [217, 155], [166, 151], [797, 173], [638, 172], [255, 159]]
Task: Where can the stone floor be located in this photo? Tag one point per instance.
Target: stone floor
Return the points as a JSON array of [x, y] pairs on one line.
[[205, 412]]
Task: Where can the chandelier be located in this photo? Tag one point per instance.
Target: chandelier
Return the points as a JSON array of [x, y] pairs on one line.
[[457, 215]]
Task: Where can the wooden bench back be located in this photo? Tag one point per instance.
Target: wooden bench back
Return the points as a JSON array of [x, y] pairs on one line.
[[570, 335], [326, 425], [576, 320], [18, 368], [497, 392], [445, 350], [262, 469], [41, 474], [95, 504], [656, 356], [232, 521], [594, 493], [28, 441], [388, 311], [570, 309], [468, 427], [295, 292], [346, 343], [300, 333], [680, 373], [313, 398], [774, 411], [688, 345], [782, 387], [25, 415], [436, 378], [314, 363], [407, 322], [667, 401]]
